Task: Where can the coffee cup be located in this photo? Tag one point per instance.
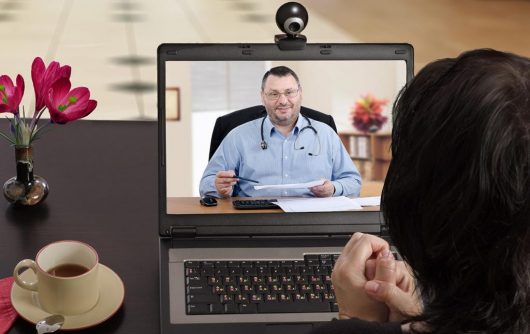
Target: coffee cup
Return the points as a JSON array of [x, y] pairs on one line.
[[66, 277]]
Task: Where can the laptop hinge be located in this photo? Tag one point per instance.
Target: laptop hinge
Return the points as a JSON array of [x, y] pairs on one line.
[[183, 232]]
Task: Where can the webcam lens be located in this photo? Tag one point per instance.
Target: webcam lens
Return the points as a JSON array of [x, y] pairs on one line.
[[294, 27]]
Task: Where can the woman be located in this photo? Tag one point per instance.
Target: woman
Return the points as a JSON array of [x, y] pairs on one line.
[[457, 203]]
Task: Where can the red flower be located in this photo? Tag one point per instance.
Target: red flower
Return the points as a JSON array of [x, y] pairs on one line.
[[43, 78], [367, 114], [67, 105], [10, 95]]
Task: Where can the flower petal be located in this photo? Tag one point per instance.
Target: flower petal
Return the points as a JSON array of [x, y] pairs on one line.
[[59, 90]]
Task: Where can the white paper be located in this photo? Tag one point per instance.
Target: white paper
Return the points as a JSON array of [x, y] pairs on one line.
[[369, 201], [318, 204], [291, 185]]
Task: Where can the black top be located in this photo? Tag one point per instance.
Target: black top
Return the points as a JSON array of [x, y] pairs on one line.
[[357, 326], [224, 124]]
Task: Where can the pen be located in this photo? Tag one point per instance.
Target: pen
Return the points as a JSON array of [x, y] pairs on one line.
[[245, 179]]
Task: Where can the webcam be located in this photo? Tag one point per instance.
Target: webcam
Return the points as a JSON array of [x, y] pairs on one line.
[[291, 18]]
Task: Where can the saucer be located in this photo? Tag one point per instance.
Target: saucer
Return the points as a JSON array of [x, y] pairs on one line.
[[111, 293]]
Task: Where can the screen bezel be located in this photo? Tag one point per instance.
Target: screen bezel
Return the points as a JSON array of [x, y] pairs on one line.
[[211, 225]]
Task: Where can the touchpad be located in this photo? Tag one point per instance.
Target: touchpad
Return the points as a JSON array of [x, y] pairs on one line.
[[288, 329]]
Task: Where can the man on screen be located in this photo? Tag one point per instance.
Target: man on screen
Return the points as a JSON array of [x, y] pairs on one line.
[[281, 148]]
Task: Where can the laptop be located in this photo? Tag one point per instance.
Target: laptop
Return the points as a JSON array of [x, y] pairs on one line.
[[260, 271]]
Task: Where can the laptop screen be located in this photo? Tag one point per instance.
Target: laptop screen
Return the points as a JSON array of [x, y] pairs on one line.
[[356, 84]]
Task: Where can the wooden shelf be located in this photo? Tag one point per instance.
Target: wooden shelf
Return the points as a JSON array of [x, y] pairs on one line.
[[370, 152]]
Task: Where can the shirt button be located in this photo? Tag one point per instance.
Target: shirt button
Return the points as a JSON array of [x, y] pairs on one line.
[[285, 157], [286, 175]]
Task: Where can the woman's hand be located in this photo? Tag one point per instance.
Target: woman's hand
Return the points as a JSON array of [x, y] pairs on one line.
[[392, 283], [349, 279]]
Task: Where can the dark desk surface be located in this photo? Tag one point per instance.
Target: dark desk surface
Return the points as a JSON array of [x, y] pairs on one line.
[[103, 190]]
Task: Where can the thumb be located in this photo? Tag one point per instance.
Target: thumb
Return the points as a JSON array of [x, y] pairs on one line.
[[396, 299]]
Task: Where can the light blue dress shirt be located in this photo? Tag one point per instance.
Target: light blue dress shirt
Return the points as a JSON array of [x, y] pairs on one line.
[[282, 162]]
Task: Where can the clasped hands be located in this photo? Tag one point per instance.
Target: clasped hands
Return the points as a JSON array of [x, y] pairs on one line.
[[226, 179], [371, 285]]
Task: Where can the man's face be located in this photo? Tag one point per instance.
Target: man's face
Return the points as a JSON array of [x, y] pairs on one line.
[[282, 98]]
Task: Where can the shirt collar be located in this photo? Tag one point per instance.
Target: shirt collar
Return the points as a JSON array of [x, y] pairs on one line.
[[268, 127]]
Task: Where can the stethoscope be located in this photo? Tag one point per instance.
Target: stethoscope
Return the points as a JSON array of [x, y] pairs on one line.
[[296, 147]]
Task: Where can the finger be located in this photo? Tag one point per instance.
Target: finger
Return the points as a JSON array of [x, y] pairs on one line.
[[369, 270], [225, 174], [223, 178], [365, 247], [401, 302], [385, 268], [359, 249], [349, 245], [404, 277]]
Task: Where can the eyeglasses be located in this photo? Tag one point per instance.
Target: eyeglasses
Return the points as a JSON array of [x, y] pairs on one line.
[[275, 96]]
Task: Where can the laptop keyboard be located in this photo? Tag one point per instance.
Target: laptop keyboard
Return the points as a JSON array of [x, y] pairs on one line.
[[268, 286]]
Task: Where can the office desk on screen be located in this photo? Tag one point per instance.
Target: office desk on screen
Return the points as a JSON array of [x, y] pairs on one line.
[[191, 205], [103, 190]]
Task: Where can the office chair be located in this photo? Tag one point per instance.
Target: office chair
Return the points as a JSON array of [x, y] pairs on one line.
[[224, 124]]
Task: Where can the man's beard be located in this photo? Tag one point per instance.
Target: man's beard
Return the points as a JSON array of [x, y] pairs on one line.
[[284, 120]]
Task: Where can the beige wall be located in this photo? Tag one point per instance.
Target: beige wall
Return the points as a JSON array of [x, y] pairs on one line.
[[178, 160]]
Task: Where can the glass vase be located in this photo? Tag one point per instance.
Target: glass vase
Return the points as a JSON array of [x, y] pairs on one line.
[[26, 188]]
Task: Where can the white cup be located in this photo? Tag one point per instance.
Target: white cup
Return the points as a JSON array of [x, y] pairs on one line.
[[67, 277]]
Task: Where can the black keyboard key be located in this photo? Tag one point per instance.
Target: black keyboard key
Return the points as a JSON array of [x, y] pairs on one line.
[[235, 271], [275, 307], [231, 307], [326, 263], [273, 264], [220, 264], [193, 271], [195, 281], [299, 263], [217, 308], [241, 298], [246, 264], [233, 264], [202, 299], [314, 297], [300, 297], [329, 297], [207, 264], [197, 290], [198, 308], [192, 264], [248, 308], [256, 298], [306, 271], [312, 263]]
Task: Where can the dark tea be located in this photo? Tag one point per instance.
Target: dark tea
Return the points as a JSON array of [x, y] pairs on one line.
[[68, 270]]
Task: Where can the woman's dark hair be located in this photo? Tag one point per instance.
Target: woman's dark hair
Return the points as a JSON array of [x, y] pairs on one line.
[[457, 195]]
